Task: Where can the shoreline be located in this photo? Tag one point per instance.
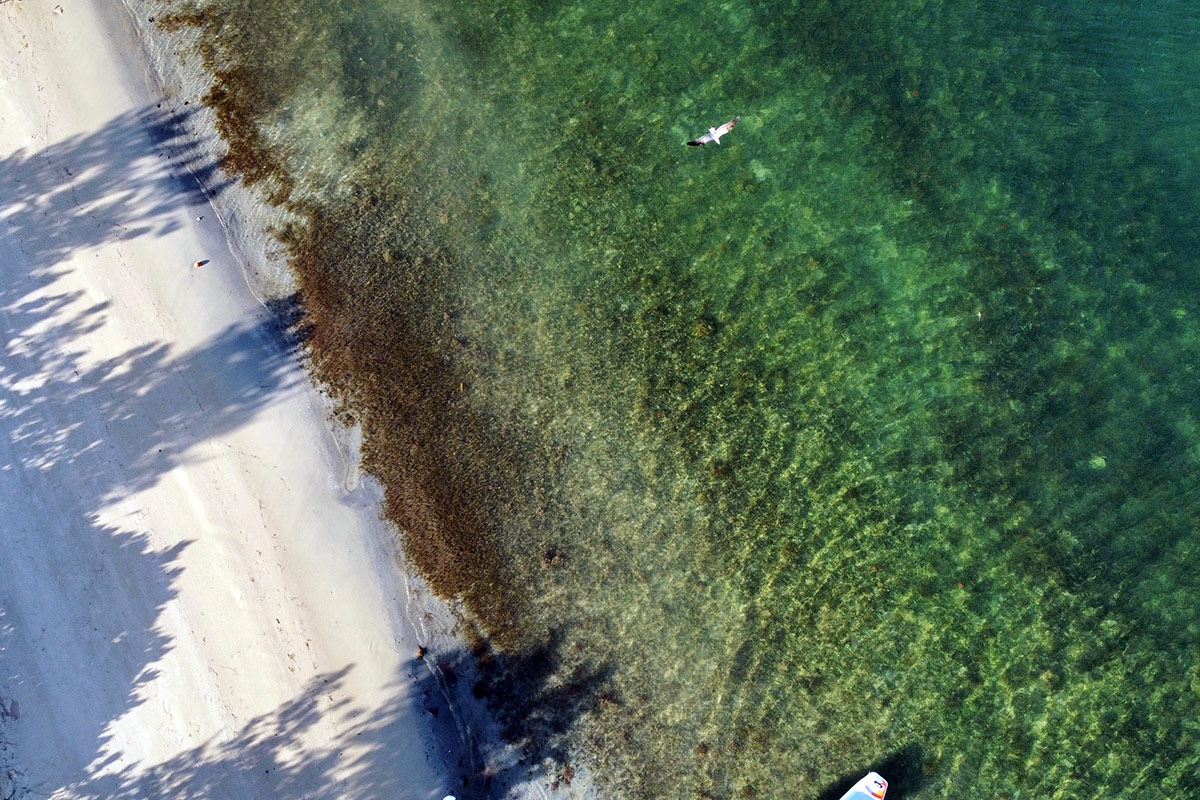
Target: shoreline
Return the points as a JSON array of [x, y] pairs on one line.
[[833, 496], [190, 628], [278, 235]]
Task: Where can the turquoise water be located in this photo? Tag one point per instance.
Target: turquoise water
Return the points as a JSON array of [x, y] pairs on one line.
[[868, 437]]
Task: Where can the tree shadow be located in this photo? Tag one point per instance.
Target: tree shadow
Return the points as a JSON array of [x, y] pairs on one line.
[[287, 753], [81, 435], [902, 769], [534, 702], [76, 442], [133, 177]]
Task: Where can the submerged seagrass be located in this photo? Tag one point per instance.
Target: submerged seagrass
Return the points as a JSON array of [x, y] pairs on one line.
[[872, 435]]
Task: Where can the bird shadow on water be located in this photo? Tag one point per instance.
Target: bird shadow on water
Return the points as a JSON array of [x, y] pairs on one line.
[[902, 769]]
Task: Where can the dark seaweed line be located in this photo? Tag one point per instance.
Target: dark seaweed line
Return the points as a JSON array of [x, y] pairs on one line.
[[377, 339]]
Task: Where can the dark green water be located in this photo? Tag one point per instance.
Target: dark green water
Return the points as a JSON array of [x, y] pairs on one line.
[[870, 436]]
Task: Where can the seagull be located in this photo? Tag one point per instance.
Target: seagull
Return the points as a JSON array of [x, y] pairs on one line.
[[714, 134]]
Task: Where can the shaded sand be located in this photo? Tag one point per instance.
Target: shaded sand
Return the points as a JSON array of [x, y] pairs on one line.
[[191, 602]]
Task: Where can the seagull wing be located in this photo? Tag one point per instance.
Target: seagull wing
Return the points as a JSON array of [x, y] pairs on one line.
[[714, 135]]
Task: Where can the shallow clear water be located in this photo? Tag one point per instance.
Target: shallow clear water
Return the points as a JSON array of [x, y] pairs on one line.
[[868, 437]]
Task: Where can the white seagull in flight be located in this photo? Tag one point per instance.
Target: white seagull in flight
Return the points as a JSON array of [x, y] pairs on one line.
[[714, 134]]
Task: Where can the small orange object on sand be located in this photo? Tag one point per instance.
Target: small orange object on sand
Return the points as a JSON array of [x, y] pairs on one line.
[[199, 263]]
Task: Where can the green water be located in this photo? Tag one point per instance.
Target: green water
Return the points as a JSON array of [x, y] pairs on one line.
[[870, 436]]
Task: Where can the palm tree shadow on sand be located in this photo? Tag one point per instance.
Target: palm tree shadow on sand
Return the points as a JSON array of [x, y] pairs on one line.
[[134, 177], [283, 753], [79, 437], [77, 442]]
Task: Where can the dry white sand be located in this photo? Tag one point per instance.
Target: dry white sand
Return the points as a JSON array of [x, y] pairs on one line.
[[191, 602]]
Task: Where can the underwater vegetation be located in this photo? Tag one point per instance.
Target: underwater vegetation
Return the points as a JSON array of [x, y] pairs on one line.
[[868, 437]]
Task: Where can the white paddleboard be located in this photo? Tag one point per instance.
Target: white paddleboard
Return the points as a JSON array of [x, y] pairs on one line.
[[872, 787]]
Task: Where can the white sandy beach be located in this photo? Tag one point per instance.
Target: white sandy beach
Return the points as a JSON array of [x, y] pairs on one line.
[[191, 602]]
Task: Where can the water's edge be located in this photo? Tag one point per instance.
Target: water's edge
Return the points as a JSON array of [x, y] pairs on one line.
[[878, 459], [477, 757]]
